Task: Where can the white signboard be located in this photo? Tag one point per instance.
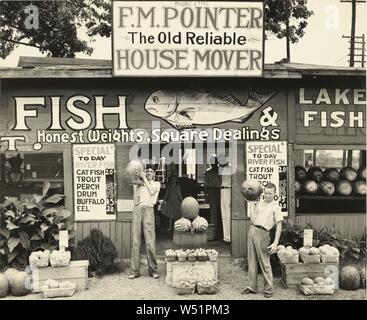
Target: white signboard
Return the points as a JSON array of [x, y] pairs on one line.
[[187, 38], [94, 182], [307, 237], [266, 161]]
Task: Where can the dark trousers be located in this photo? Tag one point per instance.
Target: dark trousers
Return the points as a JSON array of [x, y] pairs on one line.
[[215, 212]]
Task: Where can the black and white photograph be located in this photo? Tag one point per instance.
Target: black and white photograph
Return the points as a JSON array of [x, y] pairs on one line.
[[188, 151]]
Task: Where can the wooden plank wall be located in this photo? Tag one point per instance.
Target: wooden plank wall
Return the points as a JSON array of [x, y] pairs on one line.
[[348, 224]]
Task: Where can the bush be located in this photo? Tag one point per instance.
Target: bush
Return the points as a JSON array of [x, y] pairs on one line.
[[101, 253], [30, 225]]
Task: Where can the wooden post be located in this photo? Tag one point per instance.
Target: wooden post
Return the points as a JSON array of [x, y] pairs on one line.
[[352, 34], [287, 30]]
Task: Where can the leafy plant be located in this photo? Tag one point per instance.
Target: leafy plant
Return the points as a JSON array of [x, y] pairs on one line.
[[100, 251], [33, 224]]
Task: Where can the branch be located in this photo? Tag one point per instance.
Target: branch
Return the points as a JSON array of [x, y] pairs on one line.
[[21, 43]]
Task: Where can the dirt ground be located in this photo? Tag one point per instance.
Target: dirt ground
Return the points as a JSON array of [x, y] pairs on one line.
[[232, 279]]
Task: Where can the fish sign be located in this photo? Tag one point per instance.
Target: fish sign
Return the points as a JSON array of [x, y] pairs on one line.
[[187, 109]]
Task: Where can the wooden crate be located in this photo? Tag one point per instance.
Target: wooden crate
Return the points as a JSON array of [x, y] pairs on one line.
[[177, 270], [292, 274], [188, 240], [76, 272]]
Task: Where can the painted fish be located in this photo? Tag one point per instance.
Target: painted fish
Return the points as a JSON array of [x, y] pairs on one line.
[[185, 109]]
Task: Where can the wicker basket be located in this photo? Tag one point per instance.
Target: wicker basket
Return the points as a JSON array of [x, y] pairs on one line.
[[329, 259], [192, 258], [203, 258], [213, 257], [171, 258], [285, 259], [182, 258], [59, 292], [59, 262], [205, 289], [310, 258], [40, 263], [186, 290]]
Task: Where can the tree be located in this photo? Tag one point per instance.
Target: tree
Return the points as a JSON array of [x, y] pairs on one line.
[[59, 22], [277, 20]]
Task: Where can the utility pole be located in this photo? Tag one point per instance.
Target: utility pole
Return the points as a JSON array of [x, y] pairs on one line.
[[353, 31]]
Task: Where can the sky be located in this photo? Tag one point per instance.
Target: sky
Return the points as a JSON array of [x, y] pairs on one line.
[[322, 43]]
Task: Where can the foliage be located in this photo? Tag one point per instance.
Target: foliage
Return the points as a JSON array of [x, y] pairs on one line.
[[34, 224], [59, 22], [276, 17], [351, 249], [100, 251]]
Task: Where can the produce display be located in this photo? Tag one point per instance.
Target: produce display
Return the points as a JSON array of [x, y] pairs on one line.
[[287, 254], [182, 225], [190, 208], [39, 259], [251, 189], [52, 289], [329, 253], [186, 286], [350, 278], [319, 285], [310, 255], [362, 274], [191, 255], [4, 286], [199, 224], [60, 258], [131, 171], [207, 286], [19, 281], [330, 182]]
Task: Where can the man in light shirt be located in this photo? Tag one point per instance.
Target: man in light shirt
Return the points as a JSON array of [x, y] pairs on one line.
[[263, 215], [145, 197]]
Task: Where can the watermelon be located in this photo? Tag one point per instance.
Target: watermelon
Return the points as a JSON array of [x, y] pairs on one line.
[[359, 187], [4, 286], [350, 279], [327, 188], [300, 173], [190, 208], [310, 187], [298, 187], [251, 189], [332, 175], [182, 225], [20, 284], [200, 224], [362, 273], [362, 173], [344, 188], [315, 173], [348, 173], [10, 272], [131, 171]]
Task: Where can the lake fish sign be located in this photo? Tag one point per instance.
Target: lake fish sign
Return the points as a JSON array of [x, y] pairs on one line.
[[172, 38]]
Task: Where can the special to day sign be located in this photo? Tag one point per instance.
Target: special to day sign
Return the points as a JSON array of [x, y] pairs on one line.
[[94, 182], [267, 162], [187, 38]]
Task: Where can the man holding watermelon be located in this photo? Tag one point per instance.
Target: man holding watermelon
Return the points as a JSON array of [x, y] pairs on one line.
[[145, 197], [264, 215]]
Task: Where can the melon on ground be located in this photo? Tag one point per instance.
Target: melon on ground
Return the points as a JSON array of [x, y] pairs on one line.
[[350, 278], [362, 273], [19, 284], [4, 286]]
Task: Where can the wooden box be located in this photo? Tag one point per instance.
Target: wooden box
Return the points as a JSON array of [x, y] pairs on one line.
[[292, 274], [76, 272], [178, 270], [188, 240]]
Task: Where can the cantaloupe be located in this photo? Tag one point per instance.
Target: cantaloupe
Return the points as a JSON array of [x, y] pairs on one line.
[[20, 284], [350, 279], [319, 279], [307, 281], [4, 286]]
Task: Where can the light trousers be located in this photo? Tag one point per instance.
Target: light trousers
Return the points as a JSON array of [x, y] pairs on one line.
[[225, 205], [258, 253], [143, 218]]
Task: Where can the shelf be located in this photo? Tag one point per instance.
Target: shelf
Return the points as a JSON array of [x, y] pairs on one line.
[[43, 180], [318, 197]]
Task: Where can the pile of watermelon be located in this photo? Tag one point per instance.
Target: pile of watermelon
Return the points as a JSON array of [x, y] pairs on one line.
[[18, 283], [331, 181]]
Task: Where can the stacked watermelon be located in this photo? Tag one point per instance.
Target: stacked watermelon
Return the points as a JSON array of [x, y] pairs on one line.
[[345, 182]]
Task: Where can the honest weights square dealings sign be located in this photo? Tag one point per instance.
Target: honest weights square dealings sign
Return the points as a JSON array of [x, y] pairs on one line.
[[188, 38]]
